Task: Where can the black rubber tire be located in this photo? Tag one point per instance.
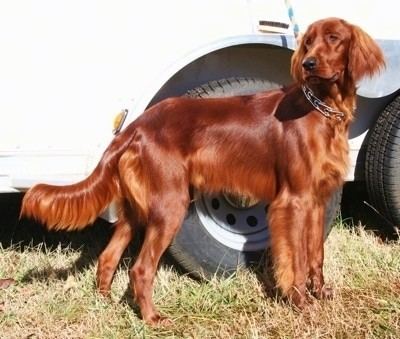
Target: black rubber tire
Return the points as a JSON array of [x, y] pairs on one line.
[[194, 249], [382, 165], [230, 87]]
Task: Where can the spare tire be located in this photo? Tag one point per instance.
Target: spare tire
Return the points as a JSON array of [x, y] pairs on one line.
[[222, 232]]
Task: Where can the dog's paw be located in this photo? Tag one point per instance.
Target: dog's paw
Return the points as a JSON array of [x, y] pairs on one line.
[[155, 320], [298, 300], [326, 292], [5, 283], [105, 293], [323, 293]]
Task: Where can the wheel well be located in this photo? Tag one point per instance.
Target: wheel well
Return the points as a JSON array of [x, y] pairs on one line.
[[249, 60]]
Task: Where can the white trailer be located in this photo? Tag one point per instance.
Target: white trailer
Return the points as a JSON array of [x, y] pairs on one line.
[[68, 67]]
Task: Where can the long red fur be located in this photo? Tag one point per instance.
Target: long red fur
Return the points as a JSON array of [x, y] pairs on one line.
[[74, 207], [272, 146]]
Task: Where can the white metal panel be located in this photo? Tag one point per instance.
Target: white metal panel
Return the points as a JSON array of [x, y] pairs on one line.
[[378, 18], [68, 66]]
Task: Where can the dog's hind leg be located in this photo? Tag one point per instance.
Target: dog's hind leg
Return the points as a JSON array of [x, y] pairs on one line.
[[156, 185], [164, 222], [110, 257]]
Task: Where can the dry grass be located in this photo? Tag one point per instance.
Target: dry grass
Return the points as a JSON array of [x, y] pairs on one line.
[[53, 298]]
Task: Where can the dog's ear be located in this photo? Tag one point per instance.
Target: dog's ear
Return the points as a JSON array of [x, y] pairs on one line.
[[365, 56], [297, 59]]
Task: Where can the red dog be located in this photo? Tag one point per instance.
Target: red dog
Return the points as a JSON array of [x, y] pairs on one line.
[[287, 146]]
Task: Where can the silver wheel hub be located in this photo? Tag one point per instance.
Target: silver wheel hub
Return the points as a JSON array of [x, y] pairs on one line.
[[236, 222]]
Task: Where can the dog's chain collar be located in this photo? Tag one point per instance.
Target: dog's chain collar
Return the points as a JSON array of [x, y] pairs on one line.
[[326, 111]]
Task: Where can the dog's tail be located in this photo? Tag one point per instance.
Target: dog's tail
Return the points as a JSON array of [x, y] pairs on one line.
[[73, 207]]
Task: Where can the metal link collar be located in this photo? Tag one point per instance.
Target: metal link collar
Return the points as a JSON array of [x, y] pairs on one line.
[[326, 111]]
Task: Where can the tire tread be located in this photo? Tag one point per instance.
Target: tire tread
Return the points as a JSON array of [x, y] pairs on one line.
[[383, 163]]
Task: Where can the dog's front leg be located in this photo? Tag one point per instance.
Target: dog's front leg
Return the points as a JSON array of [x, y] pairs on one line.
[[287, 218], [315, 250]]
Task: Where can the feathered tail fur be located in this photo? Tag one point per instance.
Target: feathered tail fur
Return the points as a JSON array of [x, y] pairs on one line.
[[73, 207]]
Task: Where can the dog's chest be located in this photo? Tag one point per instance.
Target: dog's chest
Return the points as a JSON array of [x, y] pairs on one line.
[[334, 164]]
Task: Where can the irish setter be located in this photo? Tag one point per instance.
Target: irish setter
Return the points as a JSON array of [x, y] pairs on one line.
[[288, 147]]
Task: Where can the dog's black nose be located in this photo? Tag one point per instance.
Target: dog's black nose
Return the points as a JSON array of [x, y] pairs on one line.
[[310, 63]]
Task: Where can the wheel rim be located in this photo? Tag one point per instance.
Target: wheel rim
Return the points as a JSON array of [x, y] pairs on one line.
[[241, 227]]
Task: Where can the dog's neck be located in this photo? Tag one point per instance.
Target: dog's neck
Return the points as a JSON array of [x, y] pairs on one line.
[[338, 96], [326, 110]]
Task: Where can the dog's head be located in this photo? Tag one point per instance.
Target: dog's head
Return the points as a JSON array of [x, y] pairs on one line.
[[332, 50]]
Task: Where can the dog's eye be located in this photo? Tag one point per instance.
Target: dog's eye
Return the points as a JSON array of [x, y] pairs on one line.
[[333, 38], [308, 42]]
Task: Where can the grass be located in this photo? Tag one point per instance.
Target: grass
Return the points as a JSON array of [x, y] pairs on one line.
[[55, 297]]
